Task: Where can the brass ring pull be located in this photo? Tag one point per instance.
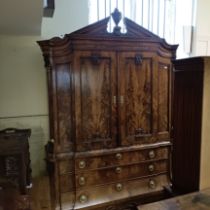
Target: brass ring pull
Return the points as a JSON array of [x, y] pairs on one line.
[[152, 184], [118, 170], [119, 187], [118, 156], [151, 154], [82, 164], [83, 198], [151, 168], [81, 180]]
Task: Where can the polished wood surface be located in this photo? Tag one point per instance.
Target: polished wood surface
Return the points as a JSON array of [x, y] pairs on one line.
[[188, 92], [193, 201], [110, 116]]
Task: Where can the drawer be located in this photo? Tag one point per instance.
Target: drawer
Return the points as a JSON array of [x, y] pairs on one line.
[[121, 190], [66, 183], [121, 158], [113, 174], [65, 166], [67, 201]]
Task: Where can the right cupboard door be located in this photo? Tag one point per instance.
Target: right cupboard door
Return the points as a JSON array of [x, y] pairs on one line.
[[135, 96], [143, 98]]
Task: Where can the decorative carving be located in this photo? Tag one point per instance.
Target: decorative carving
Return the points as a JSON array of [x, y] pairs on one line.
[[46, 60], [117, 16], [95, 59], [138, 59], [139, 131], [11, 165]]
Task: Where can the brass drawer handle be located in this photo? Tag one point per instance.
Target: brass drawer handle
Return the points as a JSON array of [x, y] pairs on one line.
[[81, 180], [121, 99], [118, 156], [151, 154], [114, 100], [152, 184], [82, 164], [119, 187], [118, 170], [83, 198], [151, 168]]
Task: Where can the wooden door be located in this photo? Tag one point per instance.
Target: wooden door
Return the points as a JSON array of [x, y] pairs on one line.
[[95, 89], [135, 97]]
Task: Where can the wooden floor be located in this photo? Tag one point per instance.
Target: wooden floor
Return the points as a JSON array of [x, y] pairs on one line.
[[38, 198], [194, 201]]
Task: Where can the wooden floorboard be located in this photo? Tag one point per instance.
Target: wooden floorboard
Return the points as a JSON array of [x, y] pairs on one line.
[[37, 199]]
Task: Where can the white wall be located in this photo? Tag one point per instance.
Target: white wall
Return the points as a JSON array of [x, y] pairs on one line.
[[69, 16], [202, 30], [23, 88], [23, 92]]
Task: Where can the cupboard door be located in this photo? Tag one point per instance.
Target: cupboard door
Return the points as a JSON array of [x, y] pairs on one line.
[[95, 88], [136, 97]]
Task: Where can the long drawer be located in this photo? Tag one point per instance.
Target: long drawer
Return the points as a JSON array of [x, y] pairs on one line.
[[93, 196], [107, 175]]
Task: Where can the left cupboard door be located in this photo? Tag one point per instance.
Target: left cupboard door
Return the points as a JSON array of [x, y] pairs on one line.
[[95, 100]]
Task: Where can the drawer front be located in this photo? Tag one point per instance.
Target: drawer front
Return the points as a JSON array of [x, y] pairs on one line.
[[113, 174], [65, 166], [120, 190], [121, 158], [66, 183]]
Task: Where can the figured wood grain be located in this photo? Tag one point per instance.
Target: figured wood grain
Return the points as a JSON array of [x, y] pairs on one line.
[[136, 88], [95, 111]]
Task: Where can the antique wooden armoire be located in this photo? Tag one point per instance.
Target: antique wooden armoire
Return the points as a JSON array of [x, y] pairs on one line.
[[110, 116]]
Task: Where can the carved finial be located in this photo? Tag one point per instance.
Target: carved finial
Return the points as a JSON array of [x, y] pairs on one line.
[[117, 16]]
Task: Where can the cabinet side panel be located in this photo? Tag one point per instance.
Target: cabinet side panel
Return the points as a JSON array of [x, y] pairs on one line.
[[205, 144], [187, 127], [63, 115], [163, 98]]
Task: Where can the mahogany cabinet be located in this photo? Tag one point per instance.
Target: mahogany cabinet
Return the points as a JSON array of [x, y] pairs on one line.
[[191, 169], [110, 116]]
